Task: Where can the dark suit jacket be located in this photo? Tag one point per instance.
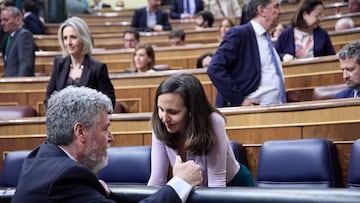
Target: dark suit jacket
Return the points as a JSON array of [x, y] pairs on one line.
[[33, 24], [177, 8], [95, 75], [49, 175], [346, 93], [235, 68], [285, 44], [21, 54], [139, 20]]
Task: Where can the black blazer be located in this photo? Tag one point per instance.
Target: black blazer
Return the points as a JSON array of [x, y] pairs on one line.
[[49, 175], [95, 75], [139, 20]]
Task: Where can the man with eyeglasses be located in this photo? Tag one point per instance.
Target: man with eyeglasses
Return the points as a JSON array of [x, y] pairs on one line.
[[131, 38]]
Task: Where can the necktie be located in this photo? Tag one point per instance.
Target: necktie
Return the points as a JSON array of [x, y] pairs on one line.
[[187, 6], [8, 40], [277, 68]]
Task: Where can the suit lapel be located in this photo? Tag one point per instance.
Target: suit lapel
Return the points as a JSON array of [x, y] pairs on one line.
[[158, 17], [13, 40], [86, 72], [65, 64], [181, 4]]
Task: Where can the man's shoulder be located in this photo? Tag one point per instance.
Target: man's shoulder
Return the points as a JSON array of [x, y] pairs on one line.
[[142, 9], [23, 31], [242, 30], [345, 93]]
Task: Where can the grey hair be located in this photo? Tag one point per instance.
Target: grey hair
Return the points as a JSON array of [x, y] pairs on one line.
[[72, 105], [351, 50], [15, 12], [253, 5], [82, 31]]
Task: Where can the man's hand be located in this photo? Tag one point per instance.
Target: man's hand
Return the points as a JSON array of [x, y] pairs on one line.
[[249, 102], [288, 57], [188, 171]]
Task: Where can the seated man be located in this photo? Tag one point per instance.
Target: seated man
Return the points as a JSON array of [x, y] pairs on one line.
[[185, 9], [204, 19], [131, 38], [31, 20], [349, 58], [64, 168], [177, 37], [151, 18]]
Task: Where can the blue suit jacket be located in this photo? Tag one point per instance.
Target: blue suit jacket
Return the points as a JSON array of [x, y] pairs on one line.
[[33, 24], [346, 93], [49, 175], [177, 8], [139, 20], [95, 75], [235, 69], [285, 44]]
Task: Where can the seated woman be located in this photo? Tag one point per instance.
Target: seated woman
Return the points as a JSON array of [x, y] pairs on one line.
[[185, 123], [204, 60], [305, 38], [143, 59], [76, 67], [275, 33], [225, 25]]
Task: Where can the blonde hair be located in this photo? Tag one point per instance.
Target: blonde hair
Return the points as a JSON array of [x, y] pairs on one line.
[[81, 29]]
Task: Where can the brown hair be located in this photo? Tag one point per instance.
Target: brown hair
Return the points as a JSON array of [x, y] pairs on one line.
[[199, 132]]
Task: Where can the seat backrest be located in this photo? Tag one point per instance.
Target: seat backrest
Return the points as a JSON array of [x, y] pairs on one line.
[[303, 163], [130, 164], [353, 179], [13, 112], [239, 152], [119, 107], [12, 167]]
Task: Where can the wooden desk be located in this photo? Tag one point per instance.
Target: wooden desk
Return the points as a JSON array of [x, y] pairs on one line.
[[139, 89]]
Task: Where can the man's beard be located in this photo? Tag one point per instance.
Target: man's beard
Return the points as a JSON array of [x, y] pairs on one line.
[[95, 158]]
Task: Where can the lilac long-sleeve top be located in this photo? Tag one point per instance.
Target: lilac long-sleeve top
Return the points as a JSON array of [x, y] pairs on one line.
[[218, 167]]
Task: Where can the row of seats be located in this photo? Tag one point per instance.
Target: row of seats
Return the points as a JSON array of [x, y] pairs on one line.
[[304, 163]]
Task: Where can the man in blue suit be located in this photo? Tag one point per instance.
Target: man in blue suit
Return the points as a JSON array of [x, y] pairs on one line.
[[185, 9], [151, 18], [245, 68], [349, 58], [31, 20], [64, 168]]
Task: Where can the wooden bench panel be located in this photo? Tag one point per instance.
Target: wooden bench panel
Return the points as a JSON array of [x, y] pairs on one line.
[[140, 88]]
